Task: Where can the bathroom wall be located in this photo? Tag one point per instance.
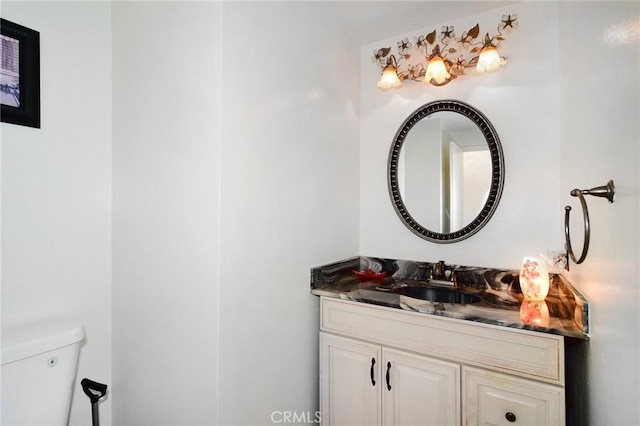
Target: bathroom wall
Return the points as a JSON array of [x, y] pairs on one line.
[[599, 140], [564, 123], [289, 197], [56, 187], [166, 166], [235, 130]]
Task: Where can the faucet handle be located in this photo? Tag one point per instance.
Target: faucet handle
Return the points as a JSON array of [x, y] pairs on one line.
[[454, 277]]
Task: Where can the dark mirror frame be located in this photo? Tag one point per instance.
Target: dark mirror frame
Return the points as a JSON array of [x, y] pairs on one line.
[[28, 113], [497, 170]]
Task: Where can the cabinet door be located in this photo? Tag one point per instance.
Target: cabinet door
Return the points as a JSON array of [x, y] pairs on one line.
[[349, 382], [417, 390], [496, 399]]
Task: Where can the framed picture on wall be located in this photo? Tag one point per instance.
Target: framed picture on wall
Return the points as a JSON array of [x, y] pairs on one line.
[[20, 74]]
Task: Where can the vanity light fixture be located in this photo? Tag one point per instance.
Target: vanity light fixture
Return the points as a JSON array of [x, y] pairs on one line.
[[437, 59]]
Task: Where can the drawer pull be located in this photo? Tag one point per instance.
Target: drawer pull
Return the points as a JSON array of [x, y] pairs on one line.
[[510, 417], [373, 363], [388, 368]]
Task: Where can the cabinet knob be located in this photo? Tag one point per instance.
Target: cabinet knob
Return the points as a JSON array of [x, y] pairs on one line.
[[510, 417]]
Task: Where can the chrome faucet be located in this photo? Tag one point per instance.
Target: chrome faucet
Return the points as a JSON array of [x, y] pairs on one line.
[[439, 276], [437, 272]]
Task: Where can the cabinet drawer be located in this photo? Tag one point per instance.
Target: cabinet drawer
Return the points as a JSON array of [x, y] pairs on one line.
[[521, 352], [491, 398]]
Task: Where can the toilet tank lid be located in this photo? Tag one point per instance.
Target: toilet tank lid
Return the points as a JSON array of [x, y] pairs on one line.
[[23, 341]]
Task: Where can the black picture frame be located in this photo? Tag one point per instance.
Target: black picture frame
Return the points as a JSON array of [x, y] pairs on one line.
[[20, 99]]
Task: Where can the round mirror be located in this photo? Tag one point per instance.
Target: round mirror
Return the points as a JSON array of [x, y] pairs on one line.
[[445, 171]]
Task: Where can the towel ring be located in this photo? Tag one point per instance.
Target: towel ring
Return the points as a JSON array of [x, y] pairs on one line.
[[606, 191]]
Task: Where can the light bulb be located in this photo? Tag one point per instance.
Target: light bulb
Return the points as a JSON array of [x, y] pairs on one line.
[[437, 71], [389, 78], [489, 60]]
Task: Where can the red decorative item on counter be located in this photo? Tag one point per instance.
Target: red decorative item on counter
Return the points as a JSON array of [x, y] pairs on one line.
[[369, 275]]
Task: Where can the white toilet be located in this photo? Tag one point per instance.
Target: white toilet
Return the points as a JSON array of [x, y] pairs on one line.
[[38, 372]]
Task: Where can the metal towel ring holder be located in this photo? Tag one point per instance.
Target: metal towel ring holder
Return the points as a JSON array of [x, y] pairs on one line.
[[606, 191]]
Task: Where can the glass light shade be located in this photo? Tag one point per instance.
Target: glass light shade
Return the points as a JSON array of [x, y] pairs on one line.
[[534, 313], [389, 78], [436, 70], [489, 60], [534, 279]]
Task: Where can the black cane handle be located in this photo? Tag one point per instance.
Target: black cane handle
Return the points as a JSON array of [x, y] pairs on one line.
[[93, 390]]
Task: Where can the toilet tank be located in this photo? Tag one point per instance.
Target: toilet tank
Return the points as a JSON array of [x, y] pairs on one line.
[[38, 371]]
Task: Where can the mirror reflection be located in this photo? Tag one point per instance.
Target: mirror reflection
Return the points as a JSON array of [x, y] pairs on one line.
[[444, 171]]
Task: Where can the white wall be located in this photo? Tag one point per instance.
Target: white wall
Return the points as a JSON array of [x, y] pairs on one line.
[[599, 140], [166, 126], [579, 122], [56, 186], [289, 191], [224, 197]]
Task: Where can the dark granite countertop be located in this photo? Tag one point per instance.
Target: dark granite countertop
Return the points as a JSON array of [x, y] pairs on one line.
[[486, 295]]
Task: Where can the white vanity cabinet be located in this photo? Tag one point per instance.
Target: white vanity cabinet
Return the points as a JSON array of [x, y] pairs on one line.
[[441, 371]]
